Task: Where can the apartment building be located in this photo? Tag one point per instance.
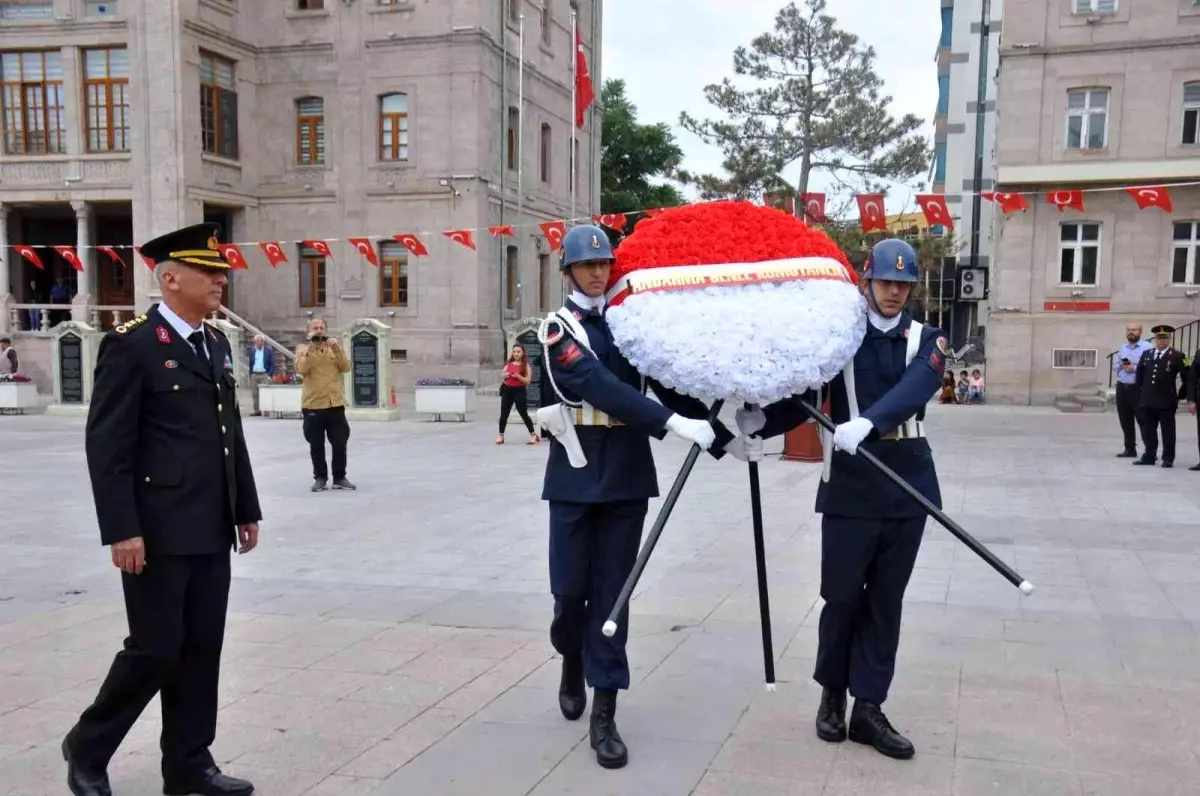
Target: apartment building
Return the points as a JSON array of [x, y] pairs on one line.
[[297, 120], [1096, 96], [964, 131]]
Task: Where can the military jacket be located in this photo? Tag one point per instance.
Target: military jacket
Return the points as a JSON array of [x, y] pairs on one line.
[[1158, 379]]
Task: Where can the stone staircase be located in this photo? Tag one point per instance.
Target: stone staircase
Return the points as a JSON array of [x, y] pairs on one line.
[[1089, 399]]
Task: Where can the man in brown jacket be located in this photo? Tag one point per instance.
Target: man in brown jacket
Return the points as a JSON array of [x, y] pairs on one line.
[[322, 363]]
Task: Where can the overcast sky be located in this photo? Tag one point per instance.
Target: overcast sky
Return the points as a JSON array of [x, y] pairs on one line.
[[667, 51]]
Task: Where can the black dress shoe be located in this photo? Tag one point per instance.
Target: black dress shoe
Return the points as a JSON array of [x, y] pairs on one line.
[[82, 781], [831, 715], [342, 483], [1126, 454], [610, 749], [1195, 468], [1143, 461], [319, 485], [869, 726], [572, 693], [208, 783], [1168, 465]]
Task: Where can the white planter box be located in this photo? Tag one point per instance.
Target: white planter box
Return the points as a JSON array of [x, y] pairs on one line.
[[18, 396], [279, 399], [445, 401]]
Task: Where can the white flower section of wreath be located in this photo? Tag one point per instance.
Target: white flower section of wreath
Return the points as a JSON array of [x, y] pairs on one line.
[[754, 343]]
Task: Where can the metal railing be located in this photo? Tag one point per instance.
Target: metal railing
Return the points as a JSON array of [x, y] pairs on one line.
[[1186, 338], [234, 318]]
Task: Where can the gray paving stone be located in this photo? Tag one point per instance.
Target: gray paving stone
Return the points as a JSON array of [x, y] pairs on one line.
[[377, 640]]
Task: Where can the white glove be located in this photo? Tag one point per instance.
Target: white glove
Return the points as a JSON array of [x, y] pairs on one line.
[[696, 431], [750, 421], [745, 449], [847, 436]]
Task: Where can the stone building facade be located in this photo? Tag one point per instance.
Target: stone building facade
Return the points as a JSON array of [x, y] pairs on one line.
[[1094, 94], [296, 120]]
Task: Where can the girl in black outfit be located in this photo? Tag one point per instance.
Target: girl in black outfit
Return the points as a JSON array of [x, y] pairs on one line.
[[517, 375]]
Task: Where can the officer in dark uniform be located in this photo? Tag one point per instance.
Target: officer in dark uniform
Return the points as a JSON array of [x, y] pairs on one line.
[[1193, 394], [597, 510], [174, 491], [1158, 374], [870, 529]]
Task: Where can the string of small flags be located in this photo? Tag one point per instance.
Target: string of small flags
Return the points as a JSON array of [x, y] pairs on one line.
[[872, 218]]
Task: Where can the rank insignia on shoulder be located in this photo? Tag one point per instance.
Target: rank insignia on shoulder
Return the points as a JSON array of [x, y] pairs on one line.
[[569, 354], [943, 345], [163, 335], [170, 364], [130, 325]]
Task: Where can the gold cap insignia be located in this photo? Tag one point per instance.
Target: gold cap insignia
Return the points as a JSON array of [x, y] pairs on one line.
[[900, 262], [212, 243]]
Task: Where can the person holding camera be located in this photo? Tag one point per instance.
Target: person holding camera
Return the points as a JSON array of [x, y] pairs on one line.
[[323, 364], [1125, 364]]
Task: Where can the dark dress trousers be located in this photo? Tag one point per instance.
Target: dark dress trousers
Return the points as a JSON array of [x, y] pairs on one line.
[[168, 462], [1158, 375]]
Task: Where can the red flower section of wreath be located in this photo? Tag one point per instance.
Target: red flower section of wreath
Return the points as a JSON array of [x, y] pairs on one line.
[[722, 232]]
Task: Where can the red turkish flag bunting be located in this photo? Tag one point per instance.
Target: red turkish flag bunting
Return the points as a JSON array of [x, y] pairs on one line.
[[1064, 199], [365, 249], [149, 263], [462, 236], [1151, 196], [112, 254], [584, 92], [502, 230], [233, 256], [870, 212], [554, 231], [1009, 202], [614, 221], [814, 207], [68, 254], [933, 205], [274, 253], [319, 246], [29, 254], [412, 243]]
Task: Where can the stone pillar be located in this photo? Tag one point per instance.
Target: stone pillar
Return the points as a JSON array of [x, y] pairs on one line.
[[83, 280], [5, 276], [369, 383]]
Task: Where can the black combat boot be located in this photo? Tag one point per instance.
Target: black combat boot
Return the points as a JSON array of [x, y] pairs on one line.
[[572, 695], [869, 726], [610, 749], [831, 715]]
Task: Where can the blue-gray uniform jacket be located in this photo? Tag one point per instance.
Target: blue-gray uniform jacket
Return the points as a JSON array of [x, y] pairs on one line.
[[619, 463], [889, 394]]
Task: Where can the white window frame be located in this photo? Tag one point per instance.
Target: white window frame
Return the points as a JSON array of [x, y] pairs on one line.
[[1191, 106], [1094, 6], [1077, 246], [1087, 115], [1193, 254]]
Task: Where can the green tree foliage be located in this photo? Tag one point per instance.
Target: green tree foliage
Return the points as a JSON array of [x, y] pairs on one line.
[[814, 99], [632, 155]]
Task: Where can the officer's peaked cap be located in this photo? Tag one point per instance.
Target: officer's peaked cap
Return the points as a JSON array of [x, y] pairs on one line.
[[1163, 328], [892, 259], [583, 243], [194, 245]]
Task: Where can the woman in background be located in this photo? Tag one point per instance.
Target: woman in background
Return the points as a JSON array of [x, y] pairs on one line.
[[517, 375]]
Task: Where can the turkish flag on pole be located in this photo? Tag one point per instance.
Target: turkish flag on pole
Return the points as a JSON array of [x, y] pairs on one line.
[[112, 254], [365, 249], [233, 255], [319, 246], [1009, 202], [462, 236], [149, 263], [274, 253], [584, 92], [1151, 196], [554, 231], [29, 254], [68, 254], [870, 212], [503, 230], [933, 205], [814, 207], [1064, 199], [412, 243]]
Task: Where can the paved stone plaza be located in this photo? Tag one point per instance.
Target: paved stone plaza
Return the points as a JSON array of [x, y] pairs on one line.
[[394, 640]]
